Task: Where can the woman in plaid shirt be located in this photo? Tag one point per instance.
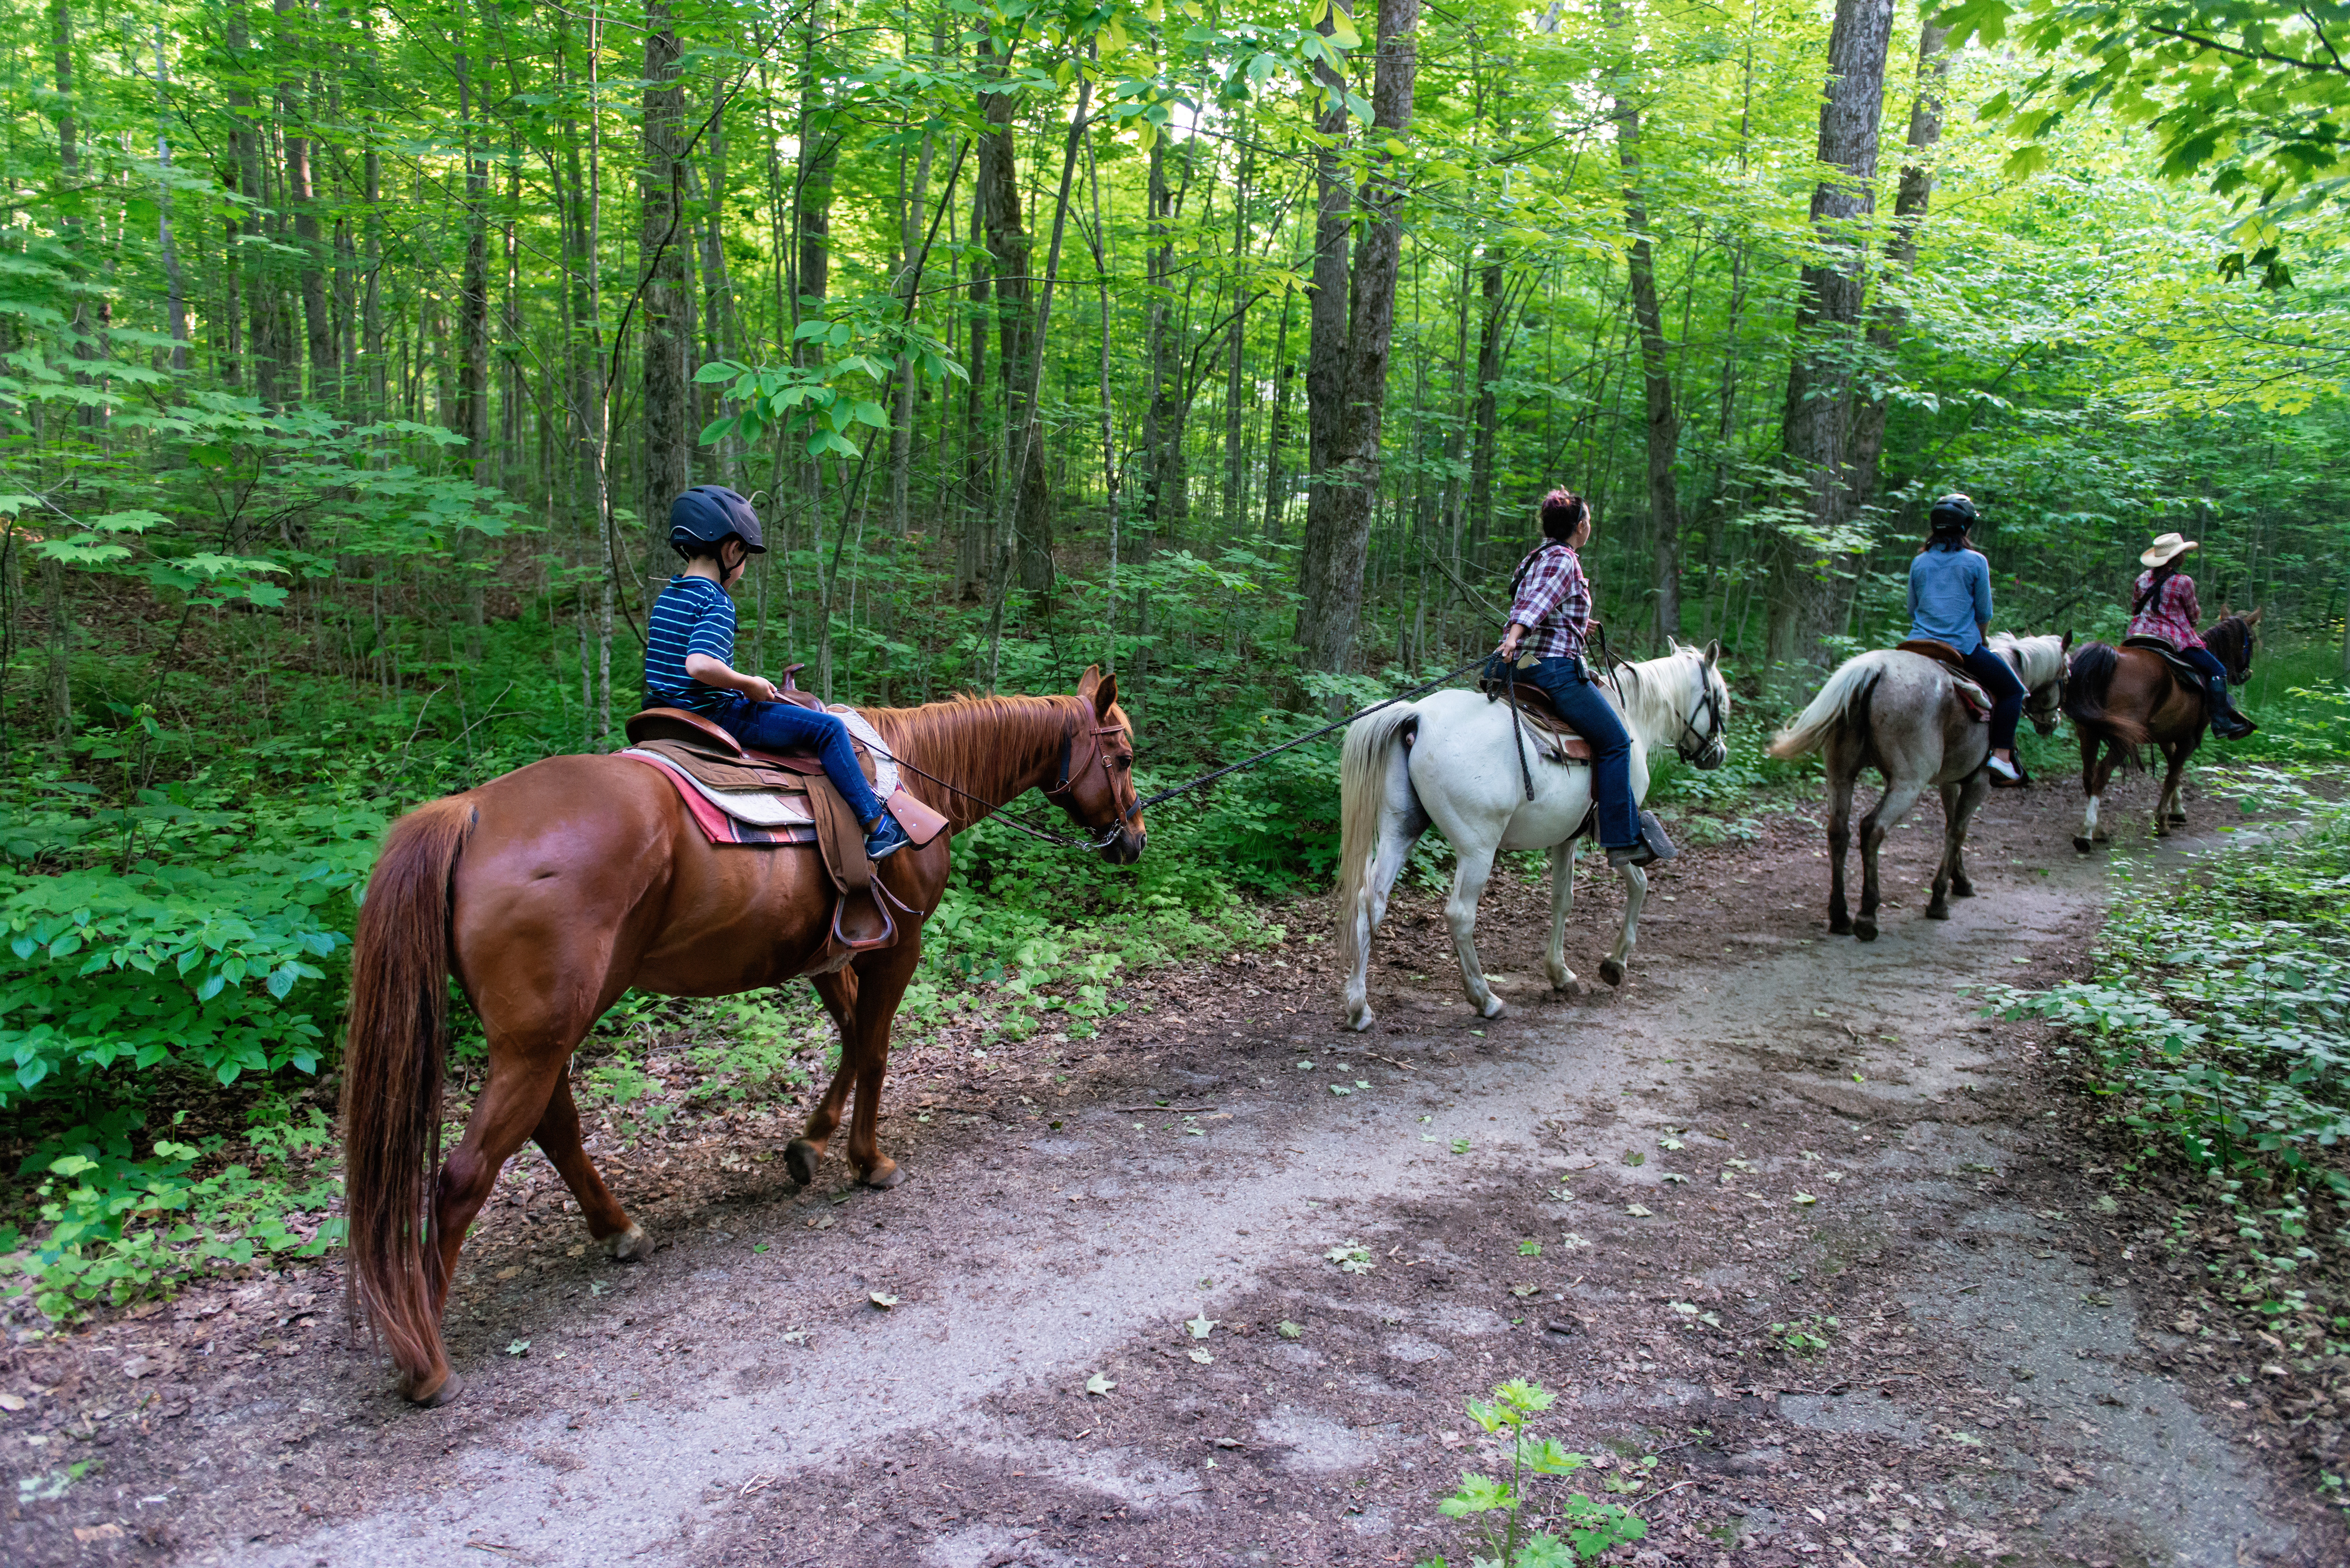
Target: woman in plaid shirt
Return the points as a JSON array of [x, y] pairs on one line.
[[1550, 617], [2163, 607]]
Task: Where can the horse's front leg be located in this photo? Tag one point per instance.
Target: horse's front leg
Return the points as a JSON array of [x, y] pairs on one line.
[[1562, 904], [1959, 802], [1891, 807], [1636, 895], [837, 992], [881, 984], [1475, 867]]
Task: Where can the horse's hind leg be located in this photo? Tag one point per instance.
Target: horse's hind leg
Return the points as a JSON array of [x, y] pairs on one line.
[[1891, 807], [1399, 831], [1636, 895], [1840, 784], [557, 1136], [1469, 878], [511, 1105], [1562, 905], [837, 992], [1958, 804], [2168, 808], [2093, 774]]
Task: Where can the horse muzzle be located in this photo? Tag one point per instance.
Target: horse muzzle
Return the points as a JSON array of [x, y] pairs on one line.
[[1712, 757], [1125, 848]]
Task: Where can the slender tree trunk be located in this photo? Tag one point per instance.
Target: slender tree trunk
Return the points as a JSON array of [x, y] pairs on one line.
[[1817, 424], [902, 427], [254, 271], [72, 229], [1663, 423], [1493, 347], [667, 451], [1008, 248], [1236, 362], [1910, 207], [1349, 393], [175, 293], [1277, 483], [301, 198]]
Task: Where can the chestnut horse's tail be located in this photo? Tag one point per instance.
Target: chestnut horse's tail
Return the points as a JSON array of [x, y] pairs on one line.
[[392, 1066], [2088, 681]]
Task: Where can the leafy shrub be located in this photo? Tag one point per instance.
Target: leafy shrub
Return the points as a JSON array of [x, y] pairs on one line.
[[1591, 1527]]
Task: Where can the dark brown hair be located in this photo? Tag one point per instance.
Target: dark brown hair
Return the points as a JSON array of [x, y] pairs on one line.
[[1563, 511]]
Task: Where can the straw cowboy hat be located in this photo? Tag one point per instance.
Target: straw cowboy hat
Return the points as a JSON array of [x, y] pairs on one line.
[[2165, 548]]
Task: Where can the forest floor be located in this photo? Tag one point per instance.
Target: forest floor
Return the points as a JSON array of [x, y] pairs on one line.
[[1834, 1249]]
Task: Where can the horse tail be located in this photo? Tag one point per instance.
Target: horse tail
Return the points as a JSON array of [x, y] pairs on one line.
[[1848, 690], [2088, 681], [393, 1064], [1362, 798]]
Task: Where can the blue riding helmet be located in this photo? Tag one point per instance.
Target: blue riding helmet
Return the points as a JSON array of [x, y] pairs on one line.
[[710, 514]]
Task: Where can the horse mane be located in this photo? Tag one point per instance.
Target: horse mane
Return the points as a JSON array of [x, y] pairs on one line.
[[2231, 634], [990, 748], [1640, 692], [2039, 660]]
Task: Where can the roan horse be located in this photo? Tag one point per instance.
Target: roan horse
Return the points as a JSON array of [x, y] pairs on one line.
[[1900, 713], [2120, 698], [553, 889], [1451, 760]]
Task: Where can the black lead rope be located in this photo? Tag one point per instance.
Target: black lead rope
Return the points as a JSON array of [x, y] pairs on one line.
[[1250, 761]]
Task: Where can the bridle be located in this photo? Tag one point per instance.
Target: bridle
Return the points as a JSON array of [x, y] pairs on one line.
[[1064, 792], [1707, 707]]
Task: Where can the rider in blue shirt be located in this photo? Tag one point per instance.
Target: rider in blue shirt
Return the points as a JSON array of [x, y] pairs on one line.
[[1950, 601], [690, 643]]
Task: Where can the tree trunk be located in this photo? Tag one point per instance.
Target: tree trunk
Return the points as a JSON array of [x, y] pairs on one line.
[[1347, 378], [1493, 343], [176, 303], [1901, 251], [301, 198], [1276, 491], [1663, 424], [1008, 247], [71, 229], [902, 426], [1236, 363], [668, 453], [1816, 427]]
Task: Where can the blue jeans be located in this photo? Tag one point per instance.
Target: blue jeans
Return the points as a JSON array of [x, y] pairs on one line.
[[1582, 705], [1997, 677], [788, 727], [2204, 660]]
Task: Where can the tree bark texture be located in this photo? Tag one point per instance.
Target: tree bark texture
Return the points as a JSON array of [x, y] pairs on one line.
[[1493, 341], [668, 452], [1009, 244], [1656, 374], [1817, 545], [1346, 374]]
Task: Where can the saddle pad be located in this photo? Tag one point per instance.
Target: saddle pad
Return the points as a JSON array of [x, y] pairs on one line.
[[731, 774], [1977, 699], [2170, 655], [715, 825], [760, 808]]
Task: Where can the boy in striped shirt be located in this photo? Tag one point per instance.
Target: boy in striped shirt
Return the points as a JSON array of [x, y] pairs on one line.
[[690, 644]]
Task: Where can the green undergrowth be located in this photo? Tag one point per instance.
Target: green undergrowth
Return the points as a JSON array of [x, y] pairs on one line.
[[2216, 1023]]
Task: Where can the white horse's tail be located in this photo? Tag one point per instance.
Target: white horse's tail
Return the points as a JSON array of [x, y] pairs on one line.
[[1847, 689], [1362, 800]]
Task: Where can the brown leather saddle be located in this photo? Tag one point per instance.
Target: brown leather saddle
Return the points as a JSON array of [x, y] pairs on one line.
[[861, 918], [2170, 655], [1534, 706]]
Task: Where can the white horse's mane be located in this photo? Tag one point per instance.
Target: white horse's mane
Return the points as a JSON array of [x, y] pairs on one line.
[[1652, 704], [2038, 659]]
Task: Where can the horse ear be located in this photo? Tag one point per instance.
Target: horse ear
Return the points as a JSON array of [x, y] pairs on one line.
[[1088, 681], [2254, 617], [2067, 644], [1105, 696], [1713, 652]]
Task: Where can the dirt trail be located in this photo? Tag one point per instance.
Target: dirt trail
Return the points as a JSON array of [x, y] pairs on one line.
[[1827, 1138]]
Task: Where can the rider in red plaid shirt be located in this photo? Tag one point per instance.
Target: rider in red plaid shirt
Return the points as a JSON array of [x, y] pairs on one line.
[[2163, 605], [1550, 615]]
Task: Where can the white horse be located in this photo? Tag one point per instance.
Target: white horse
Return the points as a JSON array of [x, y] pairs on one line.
[[1451, 760]]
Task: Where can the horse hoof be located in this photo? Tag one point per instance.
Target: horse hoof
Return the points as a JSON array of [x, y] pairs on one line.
[[800, 1159], [1359, 1019], [1962, 889], [430, 1396], [2082, 845], [1864, 931], [2178, 819], [884, 1174], [1493, 1008], [1562, 979], [1840, 925], [1611, 971], [627, 1246], [1938, 911]]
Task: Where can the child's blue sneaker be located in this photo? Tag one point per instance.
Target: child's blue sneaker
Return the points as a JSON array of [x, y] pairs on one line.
[[885, 838]]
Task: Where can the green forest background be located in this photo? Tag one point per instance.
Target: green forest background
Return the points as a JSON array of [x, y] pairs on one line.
[[348, 358]]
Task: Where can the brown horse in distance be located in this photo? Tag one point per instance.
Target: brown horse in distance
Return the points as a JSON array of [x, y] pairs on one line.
[[550, 891], [2121, 698]]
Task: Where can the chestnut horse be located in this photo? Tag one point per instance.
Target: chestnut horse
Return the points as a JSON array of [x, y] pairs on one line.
[[2120, 698], [553, 889]]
